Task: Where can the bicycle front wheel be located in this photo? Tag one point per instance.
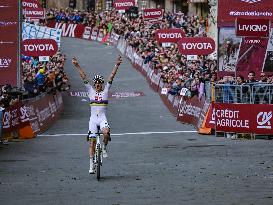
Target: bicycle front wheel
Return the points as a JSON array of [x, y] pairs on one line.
[[98, 162]]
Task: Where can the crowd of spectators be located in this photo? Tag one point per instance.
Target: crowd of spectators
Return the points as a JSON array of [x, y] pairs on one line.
[[42, 77], [176, 70]]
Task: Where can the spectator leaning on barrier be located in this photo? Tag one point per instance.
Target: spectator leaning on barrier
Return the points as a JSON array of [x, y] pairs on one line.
[[263, 78]]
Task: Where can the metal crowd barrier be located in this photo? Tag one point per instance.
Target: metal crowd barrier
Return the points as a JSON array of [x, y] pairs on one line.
[[257, 93]]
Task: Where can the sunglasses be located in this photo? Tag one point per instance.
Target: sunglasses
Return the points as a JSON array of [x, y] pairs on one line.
[[262, 76]]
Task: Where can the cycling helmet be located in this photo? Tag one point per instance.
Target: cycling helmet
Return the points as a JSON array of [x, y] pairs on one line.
[[98, 78]]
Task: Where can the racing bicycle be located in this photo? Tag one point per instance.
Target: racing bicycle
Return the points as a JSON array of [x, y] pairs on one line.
[[97, 160]]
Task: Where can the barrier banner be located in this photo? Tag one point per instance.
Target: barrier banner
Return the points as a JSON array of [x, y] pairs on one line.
[[9, 34], [155, 78], [31, 31], [87, 33], [243, 118], [44, 112], [229, 10], [68, 29], [114, 38], [100, 36], [14, 117], [129, 53], [176, 101], [94, 33], [190, 110]]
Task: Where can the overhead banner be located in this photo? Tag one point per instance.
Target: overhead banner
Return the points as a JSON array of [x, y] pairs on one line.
[[39, 47], [196, 46], [229, 10], [31, 13], [172, 35], [31, 31], [68, 29], [123, 4], [9, 37], [242, 118], [152, 13], [30, 4], [252, 27]]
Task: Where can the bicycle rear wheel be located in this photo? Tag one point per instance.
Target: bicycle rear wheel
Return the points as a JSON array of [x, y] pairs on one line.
[[98, 162]]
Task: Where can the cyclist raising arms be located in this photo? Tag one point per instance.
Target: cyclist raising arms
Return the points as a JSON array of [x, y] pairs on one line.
[[98, 102]]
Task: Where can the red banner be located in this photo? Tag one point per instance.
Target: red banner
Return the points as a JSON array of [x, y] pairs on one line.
[[190, 110], [14, 117], [123, 4], [30, 4], [44, 112], [229, 10], [196, 46], [34, 13], [39, 47], [9, 34], [68, 29], [152, 13], [172, 35], [241, 118], [252, 27]]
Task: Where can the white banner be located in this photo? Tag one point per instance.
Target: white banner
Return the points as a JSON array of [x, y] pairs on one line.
[[30, 31]]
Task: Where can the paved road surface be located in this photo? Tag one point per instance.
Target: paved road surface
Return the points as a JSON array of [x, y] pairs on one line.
[[142, 169]]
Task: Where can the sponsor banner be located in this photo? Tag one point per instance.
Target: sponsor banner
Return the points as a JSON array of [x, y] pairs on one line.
[[43, 58], [168, 102], [152, 13], [31, 13], [44, 112], [84, 94], [9, 34], [241, 118], [123, 4], [190, 110], [31, 31], [172, 35], [252, 27], [30, 4], [114, 38], [14, 117], [94, 33], [236, 54], [130, 53], [252, 40], [39, 47], [229, 10], [196, 46], [69, 29], [154, 82], [87, 32], [100, 36]]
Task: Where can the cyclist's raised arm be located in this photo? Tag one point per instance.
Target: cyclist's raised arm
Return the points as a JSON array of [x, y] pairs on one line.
[[115, 69], [79, 69], [81, 72]]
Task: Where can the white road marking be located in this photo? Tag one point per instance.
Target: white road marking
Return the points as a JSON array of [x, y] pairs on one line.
[[121, 134]]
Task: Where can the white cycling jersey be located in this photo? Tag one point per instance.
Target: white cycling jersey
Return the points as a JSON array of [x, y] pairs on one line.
[[98, 103]]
